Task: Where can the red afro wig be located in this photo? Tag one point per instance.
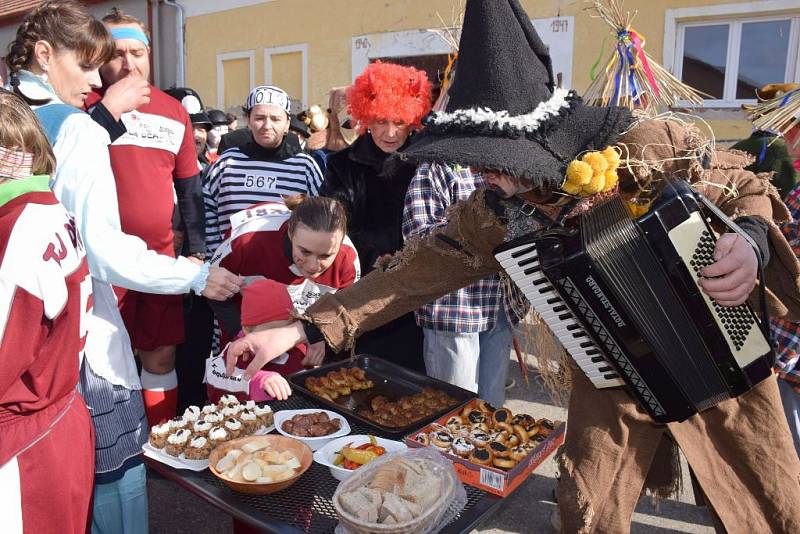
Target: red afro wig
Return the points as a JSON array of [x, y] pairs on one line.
[[389, 91]]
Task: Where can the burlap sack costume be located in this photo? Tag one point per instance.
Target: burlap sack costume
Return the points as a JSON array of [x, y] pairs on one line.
[[740, 450]]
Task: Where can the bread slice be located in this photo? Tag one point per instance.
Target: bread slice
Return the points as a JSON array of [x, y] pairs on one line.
[[396, 507], [358, 505]]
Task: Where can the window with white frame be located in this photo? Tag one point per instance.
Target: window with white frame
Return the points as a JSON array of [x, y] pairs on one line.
[[729, 59]]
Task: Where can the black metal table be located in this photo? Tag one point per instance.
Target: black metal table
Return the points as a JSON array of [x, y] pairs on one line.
[[306, 506]]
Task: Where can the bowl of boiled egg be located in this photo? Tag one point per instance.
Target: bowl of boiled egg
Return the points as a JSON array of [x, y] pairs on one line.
[[260, 464]]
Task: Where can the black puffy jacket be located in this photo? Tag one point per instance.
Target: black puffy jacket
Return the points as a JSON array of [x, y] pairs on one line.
[[373, 195]]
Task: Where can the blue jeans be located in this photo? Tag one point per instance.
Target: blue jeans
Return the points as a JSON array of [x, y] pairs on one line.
[[477, 362], [120, 507], [791, 407]]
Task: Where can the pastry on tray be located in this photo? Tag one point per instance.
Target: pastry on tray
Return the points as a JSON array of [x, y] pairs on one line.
[[159, 435], [487, 436], [199, 448], [177, 442]]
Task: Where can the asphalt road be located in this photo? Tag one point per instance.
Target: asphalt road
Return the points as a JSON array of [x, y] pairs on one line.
[[176, 511]]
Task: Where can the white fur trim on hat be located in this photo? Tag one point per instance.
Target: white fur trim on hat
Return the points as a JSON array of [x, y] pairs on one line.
[[529, 122], [270, 95]]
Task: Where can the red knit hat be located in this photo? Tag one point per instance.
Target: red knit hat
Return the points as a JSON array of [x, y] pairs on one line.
[[264, 301], [389, 91]]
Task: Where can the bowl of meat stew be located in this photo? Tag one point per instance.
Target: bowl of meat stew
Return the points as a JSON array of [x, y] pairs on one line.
[[312, 426]]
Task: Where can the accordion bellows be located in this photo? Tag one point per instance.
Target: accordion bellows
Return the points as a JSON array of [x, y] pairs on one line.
[[621, 294]]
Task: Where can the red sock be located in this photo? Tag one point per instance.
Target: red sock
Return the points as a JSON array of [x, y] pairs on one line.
[[160, 395]]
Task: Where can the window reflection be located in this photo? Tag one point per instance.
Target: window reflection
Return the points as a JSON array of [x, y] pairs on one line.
[[762, 55], [705, 49]]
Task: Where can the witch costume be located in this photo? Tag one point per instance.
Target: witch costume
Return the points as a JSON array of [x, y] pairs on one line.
[[505, 114]]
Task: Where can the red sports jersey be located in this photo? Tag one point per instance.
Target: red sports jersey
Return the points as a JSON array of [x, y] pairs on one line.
[[45, 293], [258, 246], [158, 148]]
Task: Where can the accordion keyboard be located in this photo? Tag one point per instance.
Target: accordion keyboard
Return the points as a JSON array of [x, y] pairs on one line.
[[522, 266]]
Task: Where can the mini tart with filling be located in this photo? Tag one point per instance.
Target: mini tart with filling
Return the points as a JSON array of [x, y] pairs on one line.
[[214, 418], [177, 441], [159, 435], [475, 417], [481, 456], [231, 411], [519, 452], [502, 416], [422, 437], [480, 439], [485, 407], [504, 463], [234, 427], [178, 423], [250, 421], [523, 419], [201, 428], [192, 414], [454, 421], [199, 448], [499, 450], [546, 426], [441, 439], [462, 447], [227, 400], [218, 435], [264, 414]]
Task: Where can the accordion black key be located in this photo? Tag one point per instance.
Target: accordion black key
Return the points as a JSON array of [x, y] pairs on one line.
[[622, 297]]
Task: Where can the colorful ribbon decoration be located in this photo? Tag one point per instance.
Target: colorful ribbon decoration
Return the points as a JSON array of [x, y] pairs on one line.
[[638, 42], [15, 164], [762, 154], [787, 96], [629, 49]]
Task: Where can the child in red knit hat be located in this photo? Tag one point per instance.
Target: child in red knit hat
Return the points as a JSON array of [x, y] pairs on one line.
[[265, 304]]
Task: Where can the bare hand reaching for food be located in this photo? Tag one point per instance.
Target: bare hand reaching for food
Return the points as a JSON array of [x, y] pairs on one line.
[[276, 386], [264, 345]]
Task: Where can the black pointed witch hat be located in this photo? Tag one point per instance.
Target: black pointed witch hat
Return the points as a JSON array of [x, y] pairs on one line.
[[504, 111]]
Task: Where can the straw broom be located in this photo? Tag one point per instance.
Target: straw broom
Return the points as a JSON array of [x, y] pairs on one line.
[[450, 34], [779, 114], [631, 78]]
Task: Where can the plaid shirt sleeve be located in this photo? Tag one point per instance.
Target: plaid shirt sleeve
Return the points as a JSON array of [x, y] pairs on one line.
[[432, 190], [785, 334], [426, 201]]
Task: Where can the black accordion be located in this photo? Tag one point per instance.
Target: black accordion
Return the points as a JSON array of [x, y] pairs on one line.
[[621, 294]]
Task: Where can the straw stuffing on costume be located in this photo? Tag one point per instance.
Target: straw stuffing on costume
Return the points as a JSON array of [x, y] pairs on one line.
[[631, 78], [778, 115]]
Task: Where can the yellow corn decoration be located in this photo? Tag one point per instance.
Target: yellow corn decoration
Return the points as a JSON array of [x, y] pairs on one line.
[[594, 172], [579, 172]]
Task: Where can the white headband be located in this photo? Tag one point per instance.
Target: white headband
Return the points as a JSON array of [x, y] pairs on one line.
[[270, 95]]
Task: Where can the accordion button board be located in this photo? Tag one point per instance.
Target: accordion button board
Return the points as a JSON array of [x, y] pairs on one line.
[[695, 245]]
